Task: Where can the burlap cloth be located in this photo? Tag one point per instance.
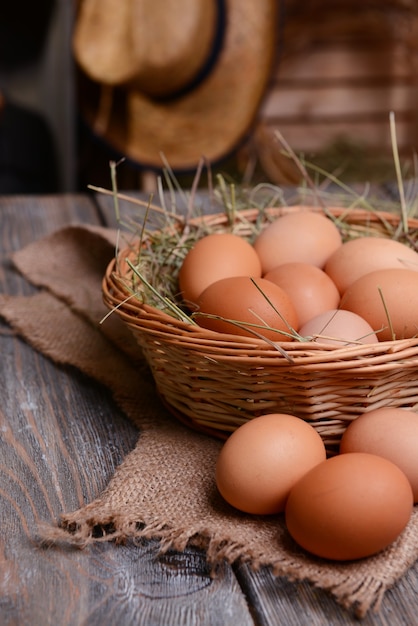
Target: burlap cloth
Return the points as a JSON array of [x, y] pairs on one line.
[[165, 487]]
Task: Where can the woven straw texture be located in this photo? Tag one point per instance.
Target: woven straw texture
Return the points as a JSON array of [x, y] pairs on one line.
[[215, 382]]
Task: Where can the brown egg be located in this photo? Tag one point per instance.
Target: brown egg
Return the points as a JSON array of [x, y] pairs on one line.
[[263, 459], [349, 507], [213, 257], [338, 327], [305, 237], [388, 300], [310, 289], [358, 257], [389, 432], [256, 305]]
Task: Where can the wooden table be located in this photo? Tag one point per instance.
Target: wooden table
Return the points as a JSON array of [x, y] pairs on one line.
[[61, 439]]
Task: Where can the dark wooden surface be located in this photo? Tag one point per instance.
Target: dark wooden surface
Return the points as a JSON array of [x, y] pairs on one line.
[[61, 438]]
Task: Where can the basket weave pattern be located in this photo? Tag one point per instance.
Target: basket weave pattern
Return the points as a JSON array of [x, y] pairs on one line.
[[215, 382]]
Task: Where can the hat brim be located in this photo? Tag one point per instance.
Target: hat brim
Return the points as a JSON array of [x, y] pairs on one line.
[[208, 121]]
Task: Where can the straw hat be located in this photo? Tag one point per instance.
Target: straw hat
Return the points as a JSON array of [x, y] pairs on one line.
[[182, 78]]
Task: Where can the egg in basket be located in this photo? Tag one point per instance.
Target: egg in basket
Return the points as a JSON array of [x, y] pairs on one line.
[[232, 328]]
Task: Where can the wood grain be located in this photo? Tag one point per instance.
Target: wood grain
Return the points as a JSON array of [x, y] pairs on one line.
[[340, 71], [61, 440]]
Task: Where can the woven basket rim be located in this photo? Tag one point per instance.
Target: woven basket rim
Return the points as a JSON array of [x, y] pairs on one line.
[[134, 312], [336, 211]]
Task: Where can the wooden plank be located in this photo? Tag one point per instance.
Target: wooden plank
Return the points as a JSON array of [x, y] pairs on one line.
[[344, 63], [339, 101], [340, 71], [25, 218], [305, 605], [61, 439], [319, 136]]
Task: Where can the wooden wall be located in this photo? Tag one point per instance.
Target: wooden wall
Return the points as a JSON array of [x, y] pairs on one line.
[[343, 67]]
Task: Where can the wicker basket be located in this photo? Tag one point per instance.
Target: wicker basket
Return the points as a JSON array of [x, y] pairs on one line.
[[215, 382]]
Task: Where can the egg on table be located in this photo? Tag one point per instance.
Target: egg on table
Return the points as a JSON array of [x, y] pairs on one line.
[[349, 507], [390, 432], [261, 461]]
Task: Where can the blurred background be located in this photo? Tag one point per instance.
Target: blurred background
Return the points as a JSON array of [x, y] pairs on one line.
[[340, 68], [38, 103]]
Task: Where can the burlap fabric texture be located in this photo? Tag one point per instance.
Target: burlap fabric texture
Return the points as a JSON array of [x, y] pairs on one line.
[[164, 488]]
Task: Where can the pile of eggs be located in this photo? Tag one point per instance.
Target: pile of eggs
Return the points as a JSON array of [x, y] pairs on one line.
[[346, 507], [299, 279]]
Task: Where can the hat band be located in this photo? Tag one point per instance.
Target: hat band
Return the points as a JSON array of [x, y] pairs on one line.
[[211, 59]]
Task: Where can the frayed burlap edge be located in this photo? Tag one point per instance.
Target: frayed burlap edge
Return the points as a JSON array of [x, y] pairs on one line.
[[84, 527]]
